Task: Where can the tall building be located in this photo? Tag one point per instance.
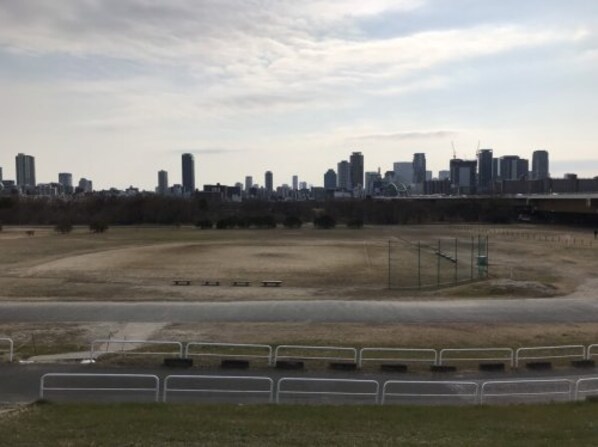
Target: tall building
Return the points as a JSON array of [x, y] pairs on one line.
[[463, 176], [485, 168], [403, 172], [65, 180], [162, 188], [540, 166], [330, 179], [344, 175], [269, 182], [85, 185], [188, 173], [356, 161], [295, 183], [370, 179], [508, 167], [248, 182], [25, 170], [444, 175], [0, 173], [419, 168]]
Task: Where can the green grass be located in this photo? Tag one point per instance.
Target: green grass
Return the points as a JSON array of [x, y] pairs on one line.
[[178, 425]]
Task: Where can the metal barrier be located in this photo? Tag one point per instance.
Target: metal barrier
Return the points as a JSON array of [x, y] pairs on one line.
[[455, 390], [364, 351], [330, 388], [528, 389], [243, 346], [508, 357], [546, 349], [154, 389], [589, 353], [11, 347], [580, 384], [352, 351], [232, 380], [93, 351]]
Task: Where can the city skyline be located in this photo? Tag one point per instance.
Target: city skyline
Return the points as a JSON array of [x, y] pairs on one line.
[[292, 88]]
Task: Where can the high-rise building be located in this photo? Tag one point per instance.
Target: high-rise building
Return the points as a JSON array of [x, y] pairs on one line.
[[508, 167], [444, 175], [419, 168], [344, 175], [302, 186], [295, 183], [65, 180], [162, 188], [188, 173], [540, 166], [248, 182], [485, 168], [356, 161], [25, 170], [429, 176], [85, 185], [330, 180], [371, 178], [463, 176], [269, 182], [403, 172], [0, 173]]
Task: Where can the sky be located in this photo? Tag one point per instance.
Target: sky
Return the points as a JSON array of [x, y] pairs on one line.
[[116, 90]]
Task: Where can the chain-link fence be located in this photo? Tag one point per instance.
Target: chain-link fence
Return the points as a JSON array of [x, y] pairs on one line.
[[435, 263]]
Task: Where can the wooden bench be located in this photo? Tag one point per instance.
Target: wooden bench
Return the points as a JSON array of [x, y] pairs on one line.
[[241, 283], [181, 282], [271, 283], [210, 283]]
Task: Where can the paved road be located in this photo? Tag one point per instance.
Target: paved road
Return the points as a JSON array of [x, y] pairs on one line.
[[549, 310], [20, 383]]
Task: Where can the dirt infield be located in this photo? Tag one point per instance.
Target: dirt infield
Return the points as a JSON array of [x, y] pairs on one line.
[[141, 263]]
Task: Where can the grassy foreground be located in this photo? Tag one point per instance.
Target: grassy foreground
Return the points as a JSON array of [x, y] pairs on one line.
[[184, 425]]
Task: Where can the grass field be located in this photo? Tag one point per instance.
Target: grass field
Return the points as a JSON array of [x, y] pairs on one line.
[[139, 263], [176, 425]]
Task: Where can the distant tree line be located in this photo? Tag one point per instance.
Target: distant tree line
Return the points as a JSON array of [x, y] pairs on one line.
[[157, 210]]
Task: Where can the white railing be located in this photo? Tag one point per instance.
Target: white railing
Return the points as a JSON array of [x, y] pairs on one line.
[[508, 355], [448, 390], [411, 355], [550, 352], [210, 384], [133, 344], [581, 390], [327, 387], [155, 389], [11, 347], [530, 388], [227, 347], [590, 351], [350, 353]]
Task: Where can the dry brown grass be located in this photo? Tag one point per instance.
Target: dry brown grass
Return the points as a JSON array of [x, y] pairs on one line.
[[140, 263]]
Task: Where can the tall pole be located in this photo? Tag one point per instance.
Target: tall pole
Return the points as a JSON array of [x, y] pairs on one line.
[[456, 260], [419, 264]]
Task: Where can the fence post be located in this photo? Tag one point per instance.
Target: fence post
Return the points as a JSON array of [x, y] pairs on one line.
[[456, 260], [419, 264]]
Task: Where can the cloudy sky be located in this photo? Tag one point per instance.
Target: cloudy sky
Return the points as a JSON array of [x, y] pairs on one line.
[[115, 90]]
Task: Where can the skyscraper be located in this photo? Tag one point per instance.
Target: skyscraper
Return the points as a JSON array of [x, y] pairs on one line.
[[344, 175], [540, 166], [419, 168], [463, 176], [485, 160], [295, 183], [65, 179], [25, 170], [330, 179], [188, 173], [162, 188], [0, 173], [248, 182], [403, 172], [269, 182], [356, 161]]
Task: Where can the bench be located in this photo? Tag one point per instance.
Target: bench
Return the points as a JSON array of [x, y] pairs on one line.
[[271, 283], [210, 283], [30, 233], [181, 282], [241, 283]]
